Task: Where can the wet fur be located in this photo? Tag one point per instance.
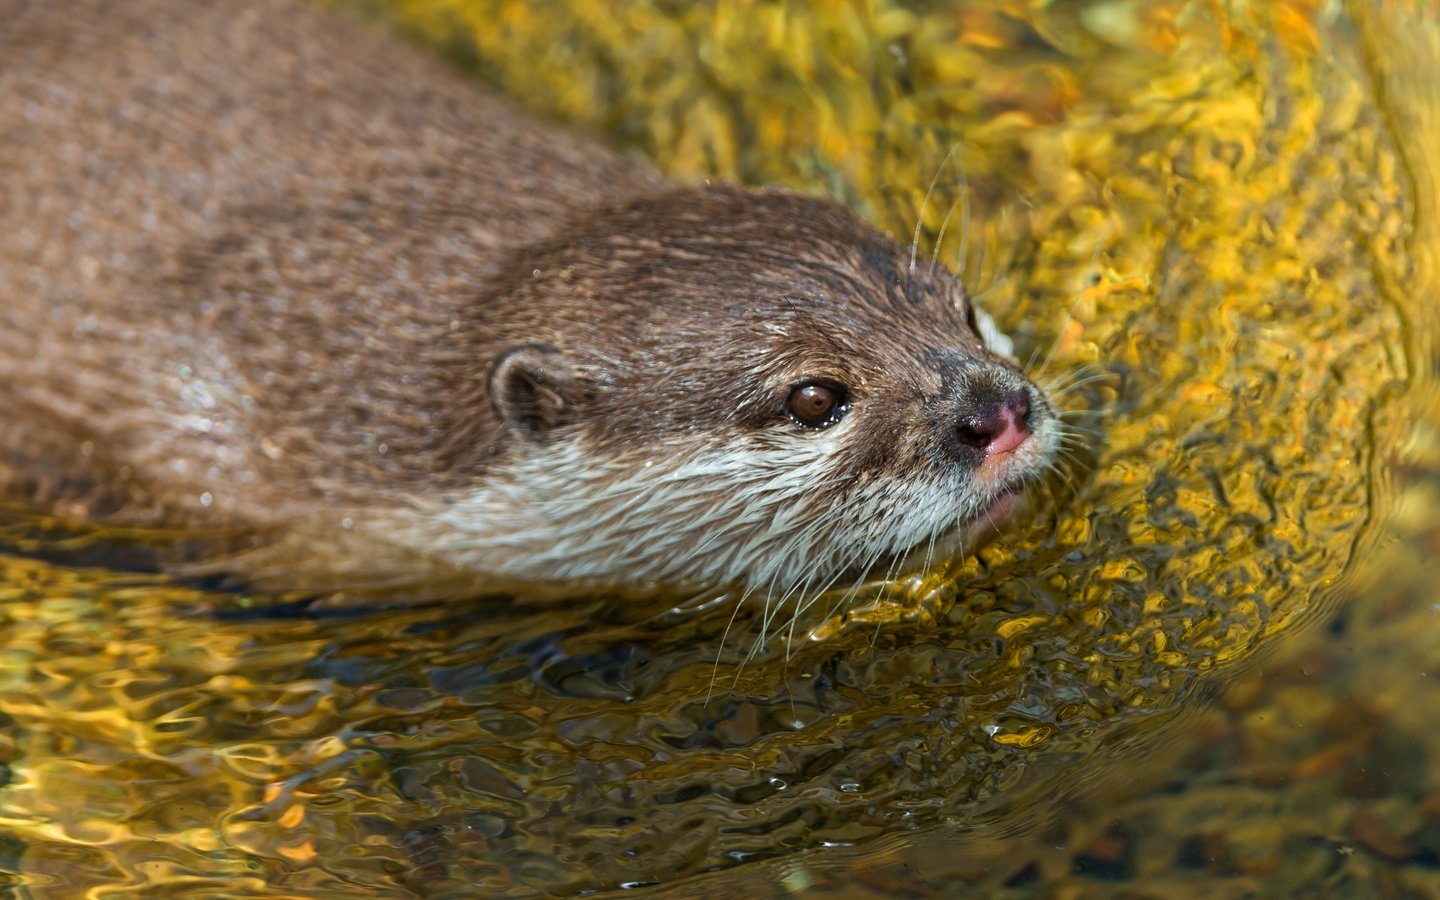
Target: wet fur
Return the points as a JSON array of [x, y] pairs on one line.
[[260, 263]]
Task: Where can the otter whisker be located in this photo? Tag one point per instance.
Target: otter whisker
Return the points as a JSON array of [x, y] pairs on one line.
[[944, 224], [878, 550], [862, 575], [886, 581], [925, 204], [1069, 389], [1084, 374], [824, 520], [833, 518]]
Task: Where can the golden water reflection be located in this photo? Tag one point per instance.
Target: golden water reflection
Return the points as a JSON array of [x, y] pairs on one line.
[[1207, 204]]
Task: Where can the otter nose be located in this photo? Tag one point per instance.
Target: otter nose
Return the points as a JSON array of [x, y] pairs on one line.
[[1000, 428]]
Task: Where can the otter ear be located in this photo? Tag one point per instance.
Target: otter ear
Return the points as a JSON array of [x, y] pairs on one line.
[[532, 388]]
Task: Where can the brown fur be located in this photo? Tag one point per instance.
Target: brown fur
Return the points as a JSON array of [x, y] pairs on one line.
[[257, 265]]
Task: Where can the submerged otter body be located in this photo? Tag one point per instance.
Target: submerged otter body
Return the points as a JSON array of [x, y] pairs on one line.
[[269, 274]]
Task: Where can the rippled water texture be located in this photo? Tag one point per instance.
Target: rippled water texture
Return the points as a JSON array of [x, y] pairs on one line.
[[1220, 211]]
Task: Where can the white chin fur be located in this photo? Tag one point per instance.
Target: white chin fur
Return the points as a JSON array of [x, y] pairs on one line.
[[751, 514]]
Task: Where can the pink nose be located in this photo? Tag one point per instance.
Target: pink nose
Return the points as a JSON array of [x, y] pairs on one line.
[[1000, 429]]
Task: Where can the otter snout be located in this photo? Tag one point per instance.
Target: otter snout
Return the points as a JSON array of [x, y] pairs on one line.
[[999, 427], [984, 411]]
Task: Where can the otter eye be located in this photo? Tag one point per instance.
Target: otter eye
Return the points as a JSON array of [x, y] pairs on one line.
[[816, 405]]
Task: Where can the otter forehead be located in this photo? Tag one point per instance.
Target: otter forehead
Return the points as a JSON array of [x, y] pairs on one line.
[[699, 258]]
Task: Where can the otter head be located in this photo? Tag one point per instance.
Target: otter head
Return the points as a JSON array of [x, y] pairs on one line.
[[720, 385]]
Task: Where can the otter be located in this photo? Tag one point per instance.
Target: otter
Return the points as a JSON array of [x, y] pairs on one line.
[[273, 276]]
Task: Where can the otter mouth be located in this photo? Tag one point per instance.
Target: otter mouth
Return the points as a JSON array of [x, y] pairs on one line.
[[968, 534], [1001, 508], [962, 537]]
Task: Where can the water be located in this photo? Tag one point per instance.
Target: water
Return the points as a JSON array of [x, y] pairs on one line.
[[1186, 670]]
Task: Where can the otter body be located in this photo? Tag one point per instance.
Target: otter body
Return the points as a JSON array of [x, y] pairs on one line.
[[267, 273]]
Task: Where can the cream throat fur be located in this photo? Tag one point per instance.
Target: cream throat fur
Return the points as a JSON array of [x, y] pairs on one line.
[[635, 518]]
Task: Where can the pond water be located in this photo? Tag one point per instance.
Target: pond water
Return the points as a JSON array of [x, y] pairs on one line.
[[1208, 663]]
